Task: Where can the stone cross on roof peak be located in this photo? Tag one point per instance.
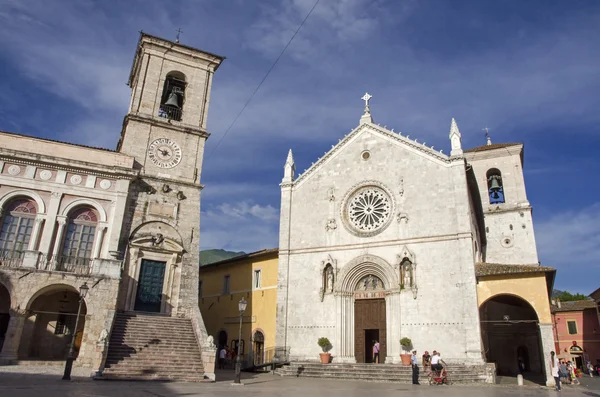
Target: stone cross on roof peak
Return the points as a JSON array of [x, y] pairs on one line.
[[366, 117]]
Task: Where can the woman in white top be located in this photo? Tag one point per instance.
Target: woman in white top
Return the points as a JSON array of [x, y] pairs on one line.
[[555, 367]]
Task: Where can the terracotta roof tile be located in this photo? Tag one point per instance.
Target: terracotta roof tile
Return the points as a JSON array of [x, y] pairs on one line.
[[572, 306], [495, 269], [240, 257], [491, 147]]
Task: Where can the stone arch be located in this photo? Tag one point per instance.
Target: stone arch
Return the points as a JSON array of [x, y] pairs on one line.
[[84, 201], [148, 229], [49, 289], [509, 328], [50, 320], [41, 206], [363, 266]]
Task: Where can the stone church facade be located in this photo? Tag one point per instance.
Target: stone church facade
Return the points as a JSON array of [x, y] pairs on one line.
[[124, 222], [384, 238]]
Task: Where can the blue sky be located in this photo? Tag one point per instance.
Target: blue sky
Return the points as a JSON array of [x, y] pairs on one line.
[[528, 70]]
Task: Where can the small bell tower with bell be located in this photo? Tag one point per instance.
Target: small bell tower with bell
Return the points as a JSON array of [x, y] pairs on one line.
[[165, 131]]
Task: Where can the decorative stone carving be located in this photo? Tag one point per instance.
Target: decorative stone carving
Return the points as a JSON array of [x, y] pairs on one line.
[[408, 271], [105, 184], [370, 283], [402, 217], [331, 194], [367, 209], [328, 275], [331, 225], [329, 279], [401, 187], [76, 179], [14, 170], [103, 336], [45, 175], [157, 239], [210, 342]]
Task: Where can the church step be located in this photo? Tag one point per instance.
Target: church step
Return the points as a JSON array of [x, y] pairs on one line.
[[372, 371], [155, 377], [407, 379], [152, 347]]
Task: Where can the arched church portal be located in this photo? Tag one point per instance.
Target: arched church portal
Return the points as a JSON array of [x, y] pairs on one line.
[[511, 335], [366, 295], [369, 320]]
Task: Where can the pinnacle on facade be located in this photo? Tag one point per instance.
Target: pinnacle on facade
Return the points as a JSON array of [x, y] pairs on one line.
[[455, 139], [289, 169]]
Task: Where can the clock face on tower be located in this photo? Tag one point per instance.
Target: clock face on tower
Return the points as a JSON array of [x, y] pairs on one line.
[[165, 153]]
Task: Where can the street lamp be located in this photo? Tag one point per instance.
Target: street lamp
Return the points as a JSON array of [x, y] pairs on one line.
[[83, 290], [238, 362]]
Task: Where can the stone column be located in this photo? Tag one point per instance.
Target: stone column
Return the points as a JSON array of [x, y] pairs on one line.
[[547, 345], [48, 230], [35, 234], [62, 221], [100, 230], [10, 349]]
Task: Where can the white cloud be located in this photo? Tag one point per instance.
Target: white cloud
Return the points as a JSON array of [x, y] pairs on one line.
[[570, 242], [238, 226]]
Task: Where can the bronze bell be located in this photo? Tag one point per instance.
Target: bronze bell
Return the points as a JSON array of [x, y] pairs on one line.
[[495, 185], [173, 100]]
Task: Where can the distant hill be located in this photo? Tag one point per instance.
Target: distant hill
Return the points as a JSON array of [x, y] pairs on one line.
[[212, 256]]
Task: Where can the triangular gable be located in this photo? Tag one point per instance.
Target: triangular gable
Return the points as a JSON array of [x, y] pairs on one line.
[[393, 137]]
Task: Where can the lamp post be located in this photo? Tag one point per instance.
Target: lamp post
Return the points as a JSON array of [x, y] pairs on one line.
[[83, 290], [238, 361]]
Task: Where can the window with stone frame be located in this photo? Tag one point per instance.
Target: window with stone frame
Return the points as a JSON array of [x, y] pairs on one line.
[[572, 326], [16, 226], [79, 237]]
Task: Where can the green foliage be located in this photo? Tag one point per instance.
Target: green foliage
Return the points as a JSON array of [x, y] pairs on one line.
[[405, 342], [566, 296], [325, 344]]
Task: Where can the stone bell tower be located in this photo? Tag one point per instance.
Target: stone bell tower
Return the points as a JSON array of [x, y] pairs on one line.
[[165, 131]]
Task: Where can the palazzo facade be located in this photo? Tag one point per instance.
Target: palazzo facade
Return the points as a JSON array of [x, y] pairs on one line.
[[124, 222], [384, 238]]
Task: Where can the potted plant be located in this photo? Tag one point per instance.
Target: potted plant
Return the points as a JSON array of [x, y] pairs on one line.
[[326, 346], [405, 343]]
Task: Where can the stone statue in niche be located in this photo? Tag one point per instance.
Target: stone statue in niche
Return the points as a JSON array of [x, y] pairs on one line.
[[329, 279], [407, 274]]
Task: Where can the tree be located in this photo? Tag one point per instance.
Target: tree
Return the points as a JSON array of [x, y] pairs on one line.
[[566, 296]]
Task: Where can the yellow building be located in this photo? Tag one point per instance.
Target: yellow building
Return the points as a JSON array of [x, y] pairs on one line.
[[223, 284]]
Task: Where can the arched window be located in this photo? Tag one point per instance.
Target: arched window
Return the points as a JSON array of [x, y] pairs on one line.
[[79, 238], [16, 226], [495, 186], [171, 102]]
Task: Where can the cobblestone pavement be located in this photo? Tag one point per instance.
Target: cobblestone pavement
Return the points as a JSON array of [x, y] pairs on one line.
[[46, 382]]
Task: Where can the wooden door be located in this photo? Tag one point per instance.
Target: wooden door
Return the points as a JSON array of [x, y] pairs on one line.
[[150, 286], [369, 314]]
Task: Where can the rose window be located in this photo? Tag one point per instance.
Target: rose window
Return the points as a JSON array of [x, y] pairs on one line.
[[369, 209]]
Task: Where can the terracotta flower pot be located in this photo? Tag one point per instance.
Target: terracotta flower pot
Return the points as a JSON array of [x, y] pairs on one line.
[[405, 359], [325, 358]]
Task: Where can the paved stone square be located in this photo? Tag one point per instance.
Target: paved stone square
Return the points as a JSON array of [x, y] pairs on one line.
[[46, 382]]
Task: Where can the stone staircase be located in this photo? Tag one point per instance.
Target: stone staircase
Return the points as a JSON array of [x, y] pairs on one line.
[[380, 372], [153, 347]]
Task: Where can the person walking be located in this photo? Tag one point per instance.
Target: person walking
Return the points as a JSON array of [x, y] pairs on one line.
[[222, 355], [415, 368], [426, 360], [555, 366], [376, 352]]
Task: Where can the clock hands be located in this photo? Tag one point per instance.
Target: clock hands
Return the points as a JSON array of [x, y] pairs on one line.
[[165, 152]]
